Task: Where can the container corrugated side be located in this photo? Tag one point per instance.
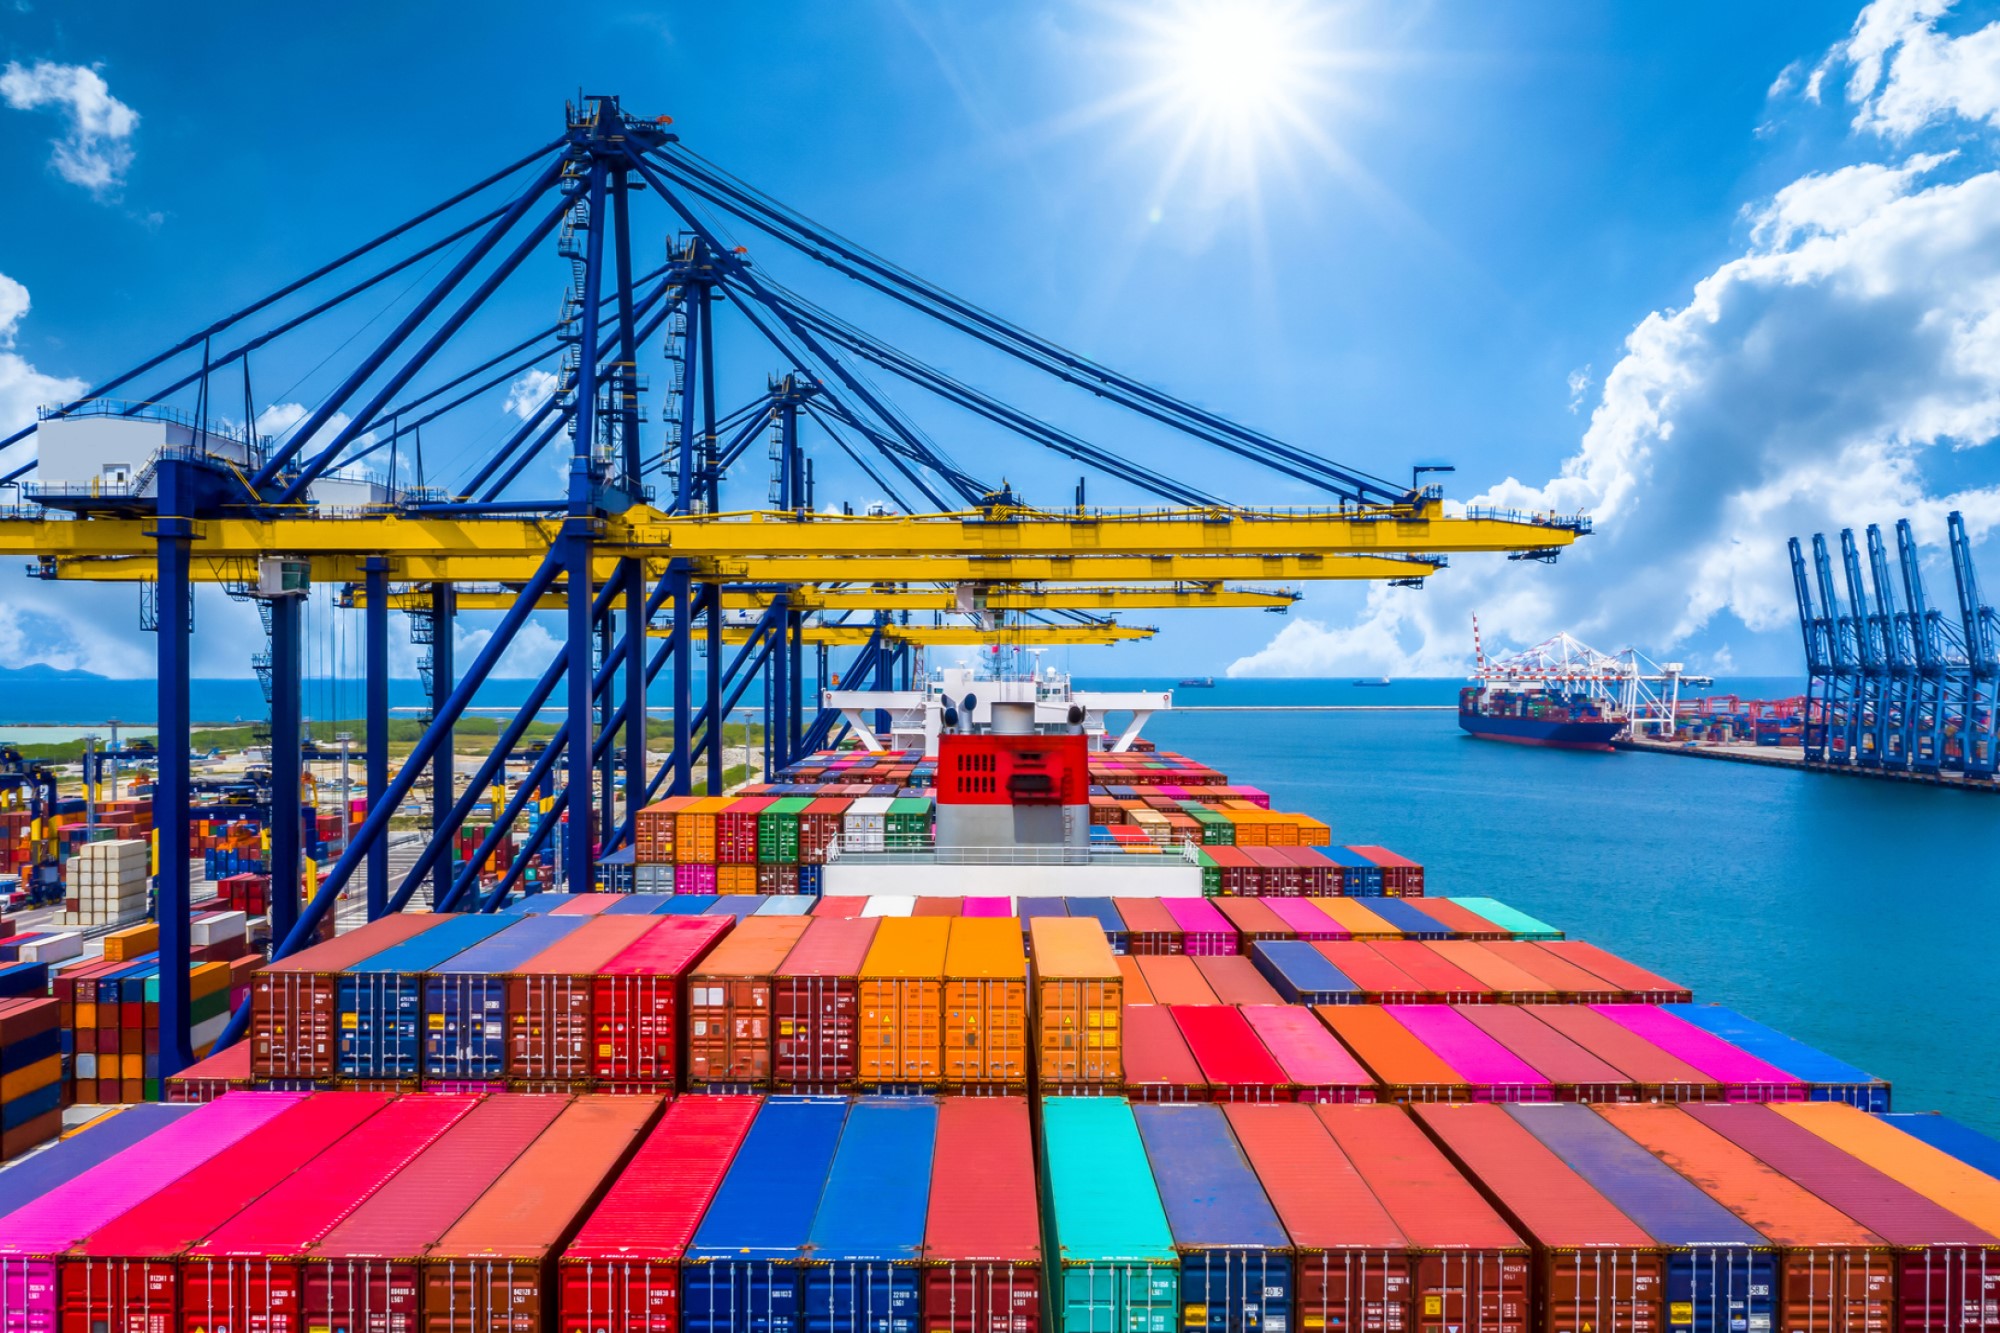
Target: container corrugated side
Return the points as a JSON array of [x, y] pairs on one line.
[[381, 998], [1826, 1078], [985, 999], [901, 1017], [1078, 999], [294, 1002], [729, 1003], [815, 1005], [1109, 1248], [982, 1235], [465, 1000], [638, 1002], [868, 1236]]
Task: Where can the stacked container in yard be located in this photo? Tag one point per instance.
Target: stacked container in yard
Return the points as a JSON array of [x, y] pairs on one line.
[[638, 1001], [1826, 1078], [1834, 1274], [741, 1273], [730, 1004], [1078, 1004], [551, 1003], [982, 1250], [465, 1002], [494, 1270], [114, 1027], [1158, 1065], [30, 1074], [902, 1013], [1595, 1267], [380, 1000], [212, 1076], [1314, 1063], [622, 1272], [1109, 1246], [249, 1273], [985, 1004], [1236, 1065], [1721, 1275], [105, 883], [63, 1162], [294, 1002], [815, 1003], [365, 1274], [867, 1237], [126, 1274]]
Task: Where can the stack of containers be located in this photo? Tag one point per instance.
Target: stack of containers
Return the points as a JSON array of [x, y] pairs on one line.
[[742, 1270], [1204, 930], [380, 1000], [1948, 1136], [551, 1004], [1657, 1075], [637, 1001], [815, 1004], [982, 1250], [729, 1004], [1573, 1073], [465, 1003], [1405, 1070], [1489, 1069], [1826, 1078], [294, 1002], [901, 1018], [1106, 1232], [1235, 1258], [1518, 924], [1509, 984], [114, 1039], [819, 829], [1235, 980], [1235, 1064], [1741, 1075], [30, 1074], [1638, 985], [105, 883], [226, 1071], [1595, 1267], [366, 1274], [985, 1006], [622, 1272], [63, 1162], [867, 1237], [1301, 974], [1078, 1004], [491, 1270], [1149, 927]]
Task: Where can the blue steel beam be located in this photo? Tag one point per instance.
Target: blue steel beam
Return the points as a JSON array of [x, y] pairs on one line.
[[1866, 717], [444, 677], [287, 759], [1980, 693], [375, 571], [1896, 720], [1928, 652], [174, 531]]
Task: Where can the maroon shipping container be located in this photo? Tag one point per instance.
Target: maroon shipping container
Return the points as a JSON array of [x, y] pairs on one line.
[[1639, 985], [982, 1238], [1380, 980], [1235, 1063], [736, 830], [819, 827], [250, 1274], [1439, 976], [1317, 876], [1576, 1074], [1472, 1269], [363, 1277], [551, 999], [1354, 1268], [1159, 1067], [1235, 979], [1463, 922], [1659, 1075], [294, 1026], [729, 1003], [1947, 1269], [622, 1272], [638, 998], [1597, 1269], [1149, 927], [491, 1271], [126, 1275], [1574, 984], [1401, 877], [815, 1001]]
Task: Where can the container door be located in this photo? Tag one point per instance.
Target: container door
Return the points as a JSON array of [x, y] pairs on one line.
[[1720, 1289]]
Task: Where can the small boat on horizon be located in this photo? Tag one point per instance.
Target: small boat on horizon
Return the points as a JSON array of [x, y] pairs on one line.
[[1377, 681], [1198, 683]]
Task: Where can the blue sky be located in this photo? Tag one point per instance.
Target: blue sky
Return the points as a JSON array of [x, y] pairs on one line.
[[1630, 258]]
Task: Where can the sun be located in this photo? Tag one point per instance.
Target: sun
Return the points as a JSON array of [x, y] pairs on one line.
[[1237, 66]]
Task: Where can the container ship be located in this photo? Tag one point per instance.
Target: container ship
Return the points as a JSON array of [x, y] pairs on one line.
[[1539, 714], [1001, 1021]]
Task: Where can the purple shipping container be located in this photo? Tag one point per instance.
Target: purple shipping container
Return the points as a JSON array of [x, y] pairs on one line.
[[65, 1161], [31, 1237], [1495, 1073], [1207, 931], [1744, 1078], [987, 907]]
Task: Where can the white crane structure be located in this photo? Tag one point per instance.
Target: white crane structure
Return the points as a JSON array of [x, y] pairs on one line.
[[1627, 684]]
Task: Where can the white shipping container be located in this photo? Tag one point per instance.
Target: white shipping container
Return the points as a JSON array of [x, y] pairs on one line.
[[53, 948], [215, 927], [890, 905]]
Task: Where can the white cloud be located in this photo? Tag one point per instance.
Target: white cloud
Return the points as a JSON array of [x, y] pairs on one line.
[[1904, 74], [527, 395], [1579, 385], [277, 422], [97, 150], [530, 653], [23, 389]]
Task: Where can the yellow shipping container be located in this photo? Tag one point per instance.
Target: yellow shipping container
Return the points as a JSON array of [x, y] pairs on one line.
[[122, 946], [985, 1004], [901, 994], [1079, 1003]]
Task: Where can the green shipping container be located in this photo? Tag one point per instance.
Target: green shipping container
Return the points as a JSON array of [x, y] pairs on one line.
[[1216, 830], [778, 831], [1211, 873], [1113, 1267], [908, 822], [1521, 924]]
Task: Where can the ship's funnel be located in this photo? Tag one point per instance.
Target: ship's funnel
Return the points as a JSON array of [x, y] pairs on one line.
[[1013, 719]]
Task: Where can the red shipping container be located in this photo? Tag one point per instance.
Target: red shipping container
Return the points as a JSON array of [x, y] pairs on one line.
[[622, 1272], [1234, 1062], [1149, 927], [1464, 923], [815, 1003], [584, 904], [1354, 1268], [551, 1018], [1574, 985], [1159, 1067], [1317, 1066], [1380, 980], [294, 1028], [1597, 1268], [729, 1003], [638, 998], [1235, 980], [250, 1273], [839, 905], [1318, 877], [494, 1270], [1639, 985], [982, 1237], [1473, 1270], [363, 1277], [1442, 981], [126, 1275]]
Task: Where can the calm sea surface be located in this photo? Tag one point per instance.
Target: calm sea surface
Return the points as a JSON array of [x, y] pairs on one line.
[[1857, 915]]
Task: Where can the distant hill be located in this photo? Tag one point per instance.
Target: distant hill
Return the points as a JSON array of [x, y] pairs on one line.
[[43, 671]]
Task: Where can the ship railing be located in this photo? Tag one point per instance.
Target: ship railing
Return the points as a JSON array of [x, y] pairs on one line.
[[1040, 855]]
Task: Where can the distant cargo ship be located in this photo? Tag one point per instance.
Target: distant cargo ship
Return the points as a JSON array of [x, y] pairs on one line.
[[1198, 683], [1538, 714], [1377, 681]]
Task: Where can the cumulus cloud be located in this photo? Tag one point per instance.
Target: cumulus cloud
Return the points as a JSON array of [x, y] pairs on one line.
[[527, 395], [23, 388], [1579, 387], [1824, 378], [96, 150]]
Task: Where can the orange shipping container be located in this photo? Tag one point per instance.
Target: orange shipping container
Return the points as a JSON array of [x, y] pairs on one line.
[[1174, 979], [1136, 989], [1079, 1006], [985, 1004], [902, 991], [1406, 1069], [1938, 1176], [695, 831], [1511, 984], [736, 879], [729, 1002]]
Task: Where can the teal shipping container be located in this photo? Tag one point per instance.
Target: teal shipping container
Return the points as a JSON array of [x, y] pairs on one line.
[[1109, 1251]]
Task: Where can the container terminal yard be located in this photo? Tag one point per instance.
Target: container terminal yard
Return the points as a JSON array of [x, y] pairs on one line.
[[963, 1007]]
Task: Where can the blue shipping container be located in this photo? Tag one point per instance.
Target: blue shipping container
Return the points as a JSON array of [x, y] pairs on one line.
[[63, 1162], [1948, 1136], [465, 999], [738, 905], [380, 1000], [741, 1274], [1236, 1260], [1831, 1080], [640, 904], [1302, 974], [1360, 877], [1415, 924], [869, 1235], [1722, 1277], [1106, 913], [691, 904]]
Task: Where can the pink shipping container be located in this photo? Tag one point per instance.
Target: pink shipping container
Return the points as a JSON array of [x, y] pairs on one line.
[[1306, 919], [1495, 1073], [694, 878], [988, 907], [1311, 1056], [1203, 929], [839, 905], [32, 1237], [584, 904], [1744, 1078]]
